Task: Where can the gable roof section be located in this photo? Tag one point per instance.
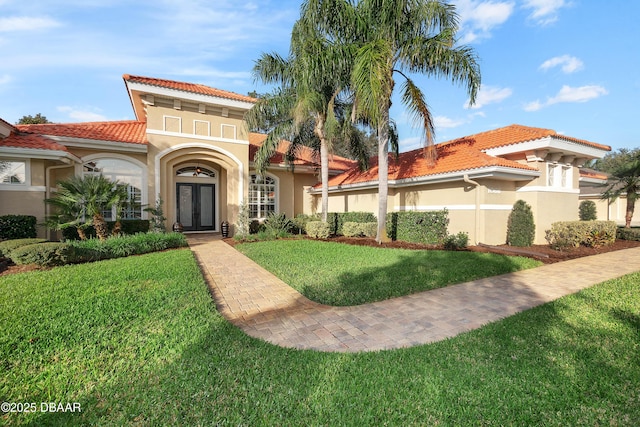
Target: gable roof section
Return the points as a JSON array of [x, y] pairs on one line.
[[305, 156], [515, 134], [187, 87], [453, 157], [126, 131]]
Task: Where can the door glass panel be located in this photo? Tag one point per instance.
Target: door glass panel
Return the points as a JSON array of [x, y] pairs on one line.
[[206, 206], [185, 210]]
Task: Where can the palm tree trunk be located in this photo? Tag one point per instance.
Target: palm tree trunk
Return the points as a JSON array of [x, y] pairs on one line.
[[631, 203], [100, 226], [81, 233], [383, 175], [324, 165]]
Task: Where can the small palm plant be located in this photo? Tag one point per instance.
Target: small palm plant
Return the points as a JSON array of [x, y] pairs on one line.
[[81, 201]]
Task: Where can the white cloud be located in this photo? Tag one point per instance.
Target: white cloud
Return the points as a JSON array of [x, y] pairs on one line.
[[27, 23], [442, 122], [569, 94], [545, 11], [569, 64], [408, 144], [489, 95], [479, 18], [82, 115], [5, 79]]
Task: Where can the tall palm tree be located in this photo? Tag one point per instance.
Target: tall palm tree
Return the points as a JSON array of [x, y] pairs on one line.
[[302, 109], [396, 38], [625, 180], [81, 201]]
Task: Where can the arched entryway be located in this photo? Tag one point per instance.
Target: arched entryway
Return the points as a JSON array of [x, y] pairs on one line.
[[197, 201]]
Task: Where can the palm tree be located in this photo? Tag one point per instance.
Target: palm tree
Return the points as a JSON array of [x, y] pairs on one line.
[[302, 109], [396, 38], [625, 180], [81, 201]]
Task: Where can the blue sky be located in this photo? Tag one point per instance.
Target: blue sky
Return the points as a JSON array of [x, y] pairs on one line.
[[568, 65]]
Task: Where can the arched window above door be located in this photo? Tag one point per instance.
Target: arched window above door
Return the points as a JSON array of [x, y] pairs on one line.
[[196, 171]]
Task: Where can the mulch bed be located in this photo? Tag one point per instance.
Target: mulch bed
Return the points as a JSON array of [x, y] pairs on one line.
[[541, 253]]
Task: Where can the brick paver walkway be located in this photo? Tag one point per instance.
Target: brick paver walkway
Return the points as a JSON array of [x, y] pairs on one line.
[[265, 307]]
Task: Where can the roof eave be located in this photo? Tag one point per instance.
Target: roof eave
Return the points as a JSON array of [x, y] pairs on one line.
[[131, 147], [39, 153], [495, 172], [552, 143]]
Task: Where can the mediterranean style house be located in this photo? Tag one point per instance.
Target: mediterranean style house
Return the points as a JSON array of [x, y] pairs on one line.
[[190, 147]]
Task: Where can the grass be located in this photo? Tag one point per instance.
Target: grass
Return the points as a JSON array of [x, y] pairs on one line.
[[343, 275], [137, 341]]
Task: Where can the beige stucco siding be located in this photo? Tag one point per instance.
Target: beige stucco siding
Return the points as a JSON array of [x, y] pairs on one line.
[[549, 207], [24, 203]]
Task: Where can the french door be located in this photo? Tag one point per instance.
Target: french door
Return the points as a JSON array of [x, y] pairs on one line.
[[196, 206]]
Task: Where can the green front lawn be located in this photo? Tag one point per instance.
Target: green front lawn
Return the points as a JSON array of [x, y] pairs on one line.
[[340, 274], [137, 341]]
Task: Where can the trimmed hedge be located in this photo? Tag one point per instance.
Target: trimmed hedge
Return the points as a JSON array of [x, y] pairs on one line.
[[587, 211], [300, 222], [628, 234], [521, 229], [17, 226], [318, 230], [418, 227], [129, 227], [50, 254], [567, 234], [336, 220], [47, 254], [9, 246], [360, 229]]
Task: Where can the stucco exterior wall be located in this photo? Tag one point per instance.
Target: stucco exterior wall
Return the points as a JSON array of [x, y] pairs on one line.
[[24, 203]]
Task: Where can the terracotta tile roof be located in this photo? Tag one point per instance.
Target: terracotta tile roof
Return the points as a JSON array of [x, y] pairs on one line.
[[304, 157], [188, 87], [30, 140], [594, 174], [128, 131], [452, 157], [515, 134]]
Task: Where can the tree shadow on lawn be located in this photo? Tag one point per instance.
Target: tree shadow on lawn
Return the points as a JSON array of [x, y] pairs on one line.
[[415, 271]]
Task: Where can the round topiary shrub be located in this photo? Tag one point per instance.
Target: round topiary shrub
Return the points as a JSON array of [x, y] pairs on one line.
[[587, 210], [521, 229]]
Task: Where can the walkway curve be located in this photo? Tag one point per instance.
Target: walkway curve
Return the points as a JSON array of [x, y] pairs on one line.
[[265, 307]]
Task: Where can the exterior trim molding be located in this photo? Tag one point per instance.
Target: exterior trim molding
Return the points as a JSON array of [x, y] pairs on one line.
[[496, 172], [542, 189], [166, 151], [189, 96], [37, 153], [99, 144], [546, 143], [199, 137], [483, 207]]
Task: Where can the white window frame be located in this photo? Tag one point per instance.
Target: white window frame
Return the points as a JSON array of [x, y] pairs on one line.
[[144, 197], [559, 176], [27, 174], [276, 184]]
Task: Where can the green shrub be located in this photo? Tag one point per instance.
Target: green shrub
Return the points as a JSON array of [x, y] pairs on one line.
[[521, 229], [121, 246], [369, 229], [47, 254], [277, 225], [568, 234], [628, 233], [587, 210], [300, 222], [456, 242], [255, 226], [8, 246], [418, 227], [336, 220], [359, 229], [318, 230], [17, 227], [129, 227]]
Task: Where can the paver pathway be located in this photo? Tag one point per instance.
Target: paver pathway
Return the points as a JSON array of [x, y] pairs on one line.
[[265, 307]]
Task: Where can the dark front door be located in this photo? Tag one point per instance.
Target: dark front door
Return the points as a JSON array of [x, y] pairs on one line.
[[196, 206]]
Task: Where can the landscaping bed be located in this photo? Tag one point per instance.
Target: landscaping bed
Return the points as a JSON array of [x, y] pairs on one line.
[[543, 253]]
